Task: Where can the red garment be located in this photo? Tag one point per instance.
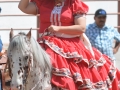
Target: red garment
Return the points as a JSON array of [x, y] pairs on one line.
[[45, 9], [74, 67]]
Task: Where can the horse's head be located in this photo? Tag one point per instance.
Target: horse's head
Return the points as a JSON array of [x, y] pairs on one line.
[[20, 57], [11, 35], [27, 60]]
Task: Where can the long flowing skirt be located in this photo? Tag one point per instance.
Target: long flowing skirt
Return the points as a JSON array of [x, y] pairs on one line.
[[75, 68]]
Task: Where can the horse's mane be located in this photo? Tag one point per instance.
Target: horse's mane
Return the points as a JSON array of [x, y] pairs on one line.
[[18, 42], [40, 55]]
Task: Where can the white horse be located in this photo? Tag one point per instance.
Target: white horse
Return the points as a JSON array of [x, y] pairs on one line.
[[30, 66]]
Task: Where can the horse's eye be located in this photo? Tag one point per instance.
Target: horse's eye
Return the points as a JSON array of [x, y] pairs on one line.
[[26, 57]]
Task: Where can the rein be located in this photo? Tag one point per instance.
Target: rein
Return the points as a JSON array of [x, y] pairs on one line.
[[46, 30], [43, 34]]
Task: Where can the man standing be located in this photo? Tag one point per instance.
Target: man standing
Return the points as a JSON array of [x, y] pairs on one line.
[[1, 73], [0, 56], [101, 35], [1, 44]]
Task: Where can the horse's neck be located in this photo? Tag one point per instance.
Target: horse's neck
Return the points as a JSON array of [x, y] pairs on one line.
[[35, 79]]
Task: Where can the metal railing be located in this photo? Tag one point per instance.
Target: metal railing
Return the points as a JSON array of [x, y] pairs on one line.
[[14, 15], [82, 0]]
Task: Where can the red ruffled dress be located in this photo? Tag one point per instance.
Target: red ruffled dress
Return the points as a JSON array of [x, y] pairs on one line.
[[74, 67]]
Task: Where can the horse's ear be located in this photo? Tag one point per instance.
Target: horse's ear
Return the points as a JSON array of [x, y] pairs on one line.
[[29, 34], [11, 34]]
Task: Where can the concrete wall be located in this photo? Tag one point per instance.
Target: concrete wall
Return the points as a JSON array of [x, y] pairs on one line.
[[30, 21], [15, 21]]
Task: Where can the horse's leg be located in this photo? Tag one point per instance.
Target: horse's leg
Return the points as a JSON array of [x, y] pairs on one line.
[[2, 80]]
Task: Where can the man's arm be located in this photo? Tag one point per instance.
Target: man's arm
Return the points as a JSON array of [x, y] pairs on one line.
[[116, 48], [117, 41]]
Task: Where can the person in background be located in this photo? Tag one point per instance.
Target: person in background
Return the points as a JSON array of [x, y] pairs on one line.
[[62, 35], [1, 44], [0, 9], [102, 36]]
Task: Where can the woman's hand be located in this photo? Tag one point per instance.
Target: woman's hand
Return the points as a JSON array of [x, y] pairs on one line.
[[53, 28]]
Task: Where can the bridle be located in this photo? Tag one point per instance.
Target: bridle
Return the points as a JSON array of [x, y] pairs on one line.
[[30, 55]]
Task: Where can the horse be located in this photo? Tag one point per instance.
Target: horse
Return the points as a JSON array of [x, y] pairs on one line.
[[29, 64]]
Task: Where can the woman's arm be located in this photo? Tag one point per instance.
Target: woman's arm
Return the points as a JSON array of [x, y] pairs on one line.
[[27, 7], [77, 29]]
